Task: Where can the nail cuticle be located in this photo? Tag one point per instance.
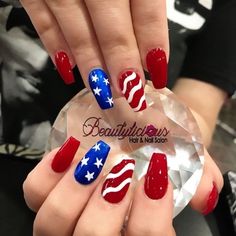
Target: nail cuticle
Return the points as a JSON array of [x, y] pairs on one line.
[[156, 179], [132, 88], [157, 67], [118, 181], [64, 67], [65, 155], [212, 200], [90, 166], [100, 87]]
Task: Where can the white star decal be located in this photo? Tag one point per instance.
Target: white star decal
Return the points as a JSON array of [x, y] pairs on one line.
[[106, 81], [89, 176], [97, 91], [96, 147], [110, 101], [95, 78], [84, 161], [98, 163]]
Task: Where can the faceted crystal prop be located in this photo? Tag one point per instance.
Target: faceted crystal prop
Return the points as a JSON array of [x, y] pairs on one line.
[[166, 126]]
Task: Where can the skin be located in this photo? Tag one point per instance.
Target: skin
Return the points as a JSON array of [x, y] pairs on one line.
[[72, 208], [63, 206], [188, 91], [140, 27]]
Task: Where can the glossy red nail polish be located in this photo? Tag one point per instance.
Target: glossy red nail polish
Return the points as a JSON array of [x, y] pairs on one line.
[[157, 67], [132, 88], [156, 179], [64, 67], [211, 200], [65, 155], [117, 181]]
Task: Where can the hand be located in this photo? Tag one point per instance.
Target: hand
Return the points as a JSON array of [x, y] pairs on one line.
[[66, 206], [120, 37]]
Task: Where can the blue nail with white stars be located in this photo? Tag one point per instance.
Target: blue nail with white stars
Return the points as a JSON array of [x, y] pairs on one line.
[[100, 86], [92, 163]]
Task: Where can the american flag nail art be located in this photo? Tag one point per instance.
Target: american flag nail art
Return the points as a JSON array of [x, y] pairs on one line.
[[92, 163], [117, 181], [100, 86], [132, 88]]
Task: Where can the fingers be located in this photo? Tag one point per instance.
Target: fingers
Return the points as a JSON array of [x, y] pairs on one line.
[[67, 200], [73, 18], [51, 36], [152, 208], [119, 48], [108, 206], [72, 30], [74, 21], [151, 214], [48, 173], [206, 196], [151, 30]]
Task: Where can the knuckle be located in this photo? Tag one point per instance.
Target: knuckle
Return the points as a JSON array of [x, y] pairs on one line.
[[57, 2], [149, 16], [42, 225], [53, 209], [26, 2], [81, 46], [220, 181], [119, 43], [32, 193], [44, 24], [85, 229], [62, 212], [141, 230], [39, 228]]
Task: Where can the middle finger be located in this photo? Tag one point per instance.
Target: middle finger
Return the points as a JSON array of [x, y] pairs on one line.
[[114, 29]]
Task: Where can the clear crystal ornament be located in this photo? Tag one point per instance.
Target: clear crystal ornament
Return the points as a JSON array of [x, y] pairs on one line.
[[166, 126]]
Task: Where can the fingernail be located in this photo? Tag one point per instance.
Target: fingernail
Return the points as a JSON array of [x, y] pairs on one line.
[[118, 181], [132, 88], [64, 67], [92, 163], [157, 67], [65, 155], [100, 86], [156, 180], [212, 200]]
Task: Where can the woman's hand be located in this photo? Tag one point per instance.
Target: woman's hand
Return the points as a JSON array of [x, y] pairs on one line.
[[79, 201], [119, 37], [74, 199]]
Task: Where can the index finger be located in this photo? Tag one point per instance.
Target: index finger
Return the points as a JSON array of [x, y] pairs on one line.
[[44, 177]]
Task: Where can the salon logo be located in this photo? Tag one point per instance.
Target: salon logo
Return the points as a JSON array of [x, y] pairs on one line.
[[147, 134]]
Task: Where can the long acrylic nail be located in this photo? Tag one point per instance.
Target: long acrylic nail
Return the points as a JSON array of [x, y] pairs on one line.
[[100, 86], [132, 88], [212, 200], [92, 163], [156, 180], [117, 181], [65, 155], [64, 67], [157, 67]]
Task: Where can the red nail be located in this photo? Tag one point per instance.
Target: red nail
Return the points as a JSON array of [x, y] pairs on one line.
[[156, 179], [64, 67], [132, 88], [211, 200], [117, 181], [65, 155], [157, 67]]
